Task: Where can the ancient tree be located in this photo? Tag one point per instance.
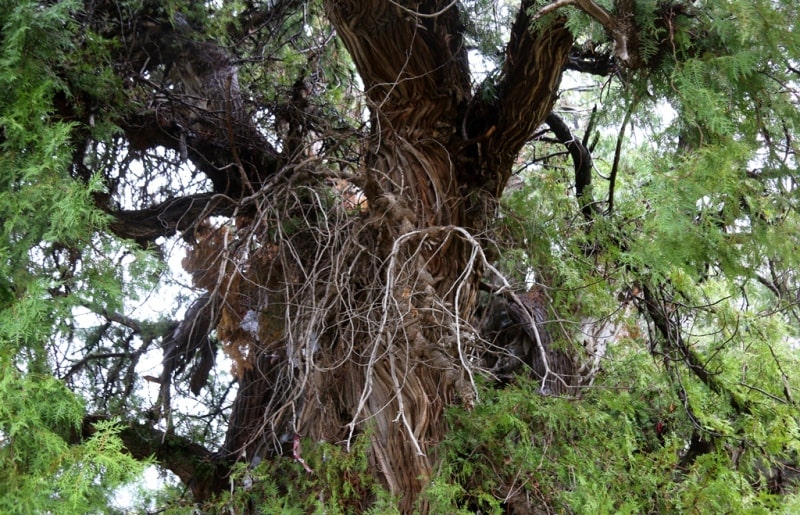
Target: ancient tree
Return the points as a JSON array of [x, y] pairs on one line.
[[333, 174]]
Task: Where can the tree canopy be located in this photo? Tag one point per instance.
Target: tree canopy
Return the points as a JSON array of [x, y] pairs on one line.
[[392, 256]]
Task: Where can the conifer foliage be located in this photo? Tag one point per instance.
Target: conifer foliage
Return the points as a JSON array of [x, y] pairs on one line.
[[390, 256]]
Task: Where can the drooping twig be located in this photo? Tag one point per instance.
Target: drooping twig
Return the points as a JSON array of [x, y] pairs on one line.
[[612, 179]]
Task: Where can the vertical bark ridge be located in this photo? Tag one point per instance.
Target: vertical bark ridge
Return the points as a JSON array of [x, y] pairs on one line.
[[526, 92], [411, 362], [404, 58]]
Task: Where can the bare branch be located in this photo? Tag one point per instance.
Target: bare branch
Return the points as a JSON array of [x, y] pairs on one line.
[[179, 214], [581, 160], [550, 8], [612, 180]]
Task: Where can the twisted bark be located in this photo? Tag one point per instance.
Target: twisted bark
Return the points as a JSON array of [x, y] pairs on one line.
[[413, 64]]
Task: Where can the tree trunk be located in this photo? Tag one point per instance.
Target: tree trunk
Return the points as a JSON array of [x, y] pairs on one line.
[[364, 321], [411, 353]]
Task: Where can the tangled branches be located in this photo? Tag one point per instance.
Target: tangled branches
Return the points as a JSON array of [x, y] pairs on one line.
[[334, 333]]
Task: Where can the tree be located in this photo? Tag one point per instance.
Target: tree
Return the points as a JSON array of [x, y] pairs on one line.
[[361, 216]]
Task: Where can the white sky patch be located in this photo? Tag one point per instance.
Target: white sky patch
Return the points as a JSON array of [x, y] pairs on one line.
[[151, 481]]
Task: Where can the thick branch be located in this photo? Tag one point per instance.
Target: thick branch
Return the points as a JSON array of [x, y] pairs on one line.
[[526, 92], [197, 467], [206, 123], [591, 62], [582, 161], [179, 214], [182, 93], [612, 179], [617, 26], [413, 63], [407, 53]]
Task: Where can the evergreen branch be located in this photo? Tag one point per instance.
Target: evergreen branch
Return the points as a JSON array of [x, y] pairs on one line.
[[203, 471], [670, 331], [93, 357], [787, 390], [600, 15], [145, 330], [769, 285], [764, 393]]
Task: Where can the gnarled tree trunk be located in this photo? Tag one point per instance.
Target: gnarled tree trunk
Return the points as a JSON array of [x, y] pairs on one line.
[[430, 181], [363, 321]]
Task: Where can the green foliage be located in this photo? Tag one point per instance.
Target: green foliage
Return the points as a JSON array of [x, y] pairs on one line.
[[600, 454], [36, 154], [42, 469], [705, 212], [46, 224], [340, 483]]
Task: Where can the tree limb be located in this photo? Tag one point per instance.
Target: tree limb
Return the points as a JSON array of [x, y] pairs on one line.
[[410, 56], [591, 62], [179, 214], [612, 180], [179, 91], [526, 91], [596, 12], [582, 161], [201, 470], [673, 341]]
